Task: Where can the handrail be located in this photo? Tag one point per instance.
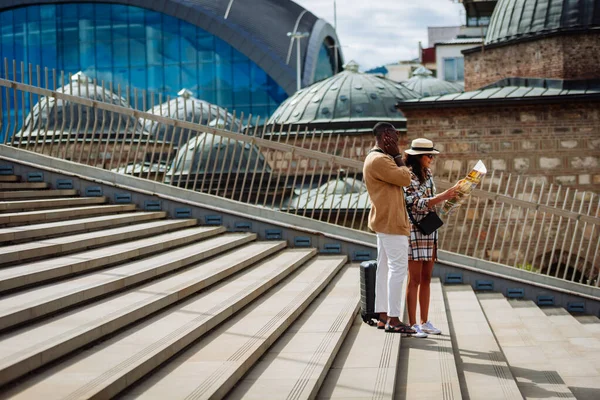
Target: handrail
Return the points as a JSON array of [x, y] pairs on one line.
[[274, 145], [181, 124], [514, 220]]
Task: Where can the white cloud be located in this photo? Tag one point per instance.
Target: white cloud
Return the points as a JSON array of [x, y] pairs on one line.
[[384, 31]]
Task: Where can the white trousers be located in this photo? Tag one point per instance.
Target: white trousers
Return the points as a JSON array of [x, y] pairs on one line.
[[392, 268]]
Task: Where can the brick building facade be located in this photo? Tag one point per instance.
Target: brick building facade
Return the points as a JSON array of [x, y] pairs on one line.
[[571, 56], [555, 143], [531, 109], [531, 104]]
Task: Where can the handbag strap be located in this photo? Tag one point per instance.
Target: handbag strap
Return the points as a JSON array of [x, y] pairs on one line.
[[408, 209], [410, 215]]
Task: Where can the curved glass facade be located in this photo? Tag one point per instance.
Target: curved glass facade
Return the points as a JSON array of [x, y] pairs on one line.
[[143, 49], [325, 62]]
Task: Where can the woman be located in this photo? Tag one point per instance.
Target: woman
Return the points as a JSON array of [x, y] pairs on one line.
[[421, 198]]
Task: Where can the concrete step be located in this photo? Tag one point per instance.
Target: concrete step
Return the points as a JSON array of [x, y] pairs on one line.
[[224, 355], [10, 178], [585, 338], [573, 328], [25, 205], [591, 322], [527, 361], [482, 368], [62, 214], [32, 347], [23, 186], [108, 368], [297, 364], [366, 364], [427, 366], [29, 304], [47, 248], [52, 229], [566, 357], [59, 267], [36, 194]]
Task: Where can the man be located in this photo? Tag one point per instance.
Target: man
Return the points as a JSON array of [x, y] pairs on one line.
[[385, 174]]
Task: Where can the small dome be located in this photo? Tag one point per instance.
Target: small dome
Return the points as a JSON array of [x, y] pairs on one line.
[[188, 108], [513, 20], [423, 83], [206, 153], [347, 97], [51, 115], [337, 193], [144, 167]]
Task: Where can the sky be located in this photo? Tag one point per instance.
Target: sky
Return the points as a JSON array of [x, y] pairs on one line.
[[380, 32]]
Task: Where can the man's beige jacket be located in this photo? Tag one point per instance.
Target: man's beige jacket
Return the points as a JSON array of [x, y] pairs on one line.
[[384, 180]]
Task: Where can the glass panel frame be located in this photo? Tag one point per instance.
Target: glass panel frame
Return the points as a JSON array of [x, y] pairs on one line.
[[140, 48]]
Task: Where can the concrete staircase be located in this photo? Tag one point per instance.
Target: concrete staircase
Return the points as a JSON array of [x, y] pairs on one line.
[[101, 300]]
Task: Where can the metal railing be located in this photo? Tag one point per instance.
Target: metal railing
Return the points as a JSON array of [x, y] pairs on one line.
[[511, 219]]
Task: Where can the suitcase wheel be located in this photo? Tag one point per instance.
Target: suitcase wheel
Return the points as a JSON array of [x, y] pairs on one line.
[[367, 320]]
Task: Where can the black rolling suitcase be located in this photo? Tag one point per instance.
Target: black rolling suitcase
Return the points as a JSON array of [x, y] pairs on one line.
[[368, 275]]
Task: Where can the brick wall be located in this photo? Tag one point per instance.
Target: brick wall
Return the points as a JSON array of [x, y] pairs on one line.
[[557, 144], [574, 56], [354, 147]]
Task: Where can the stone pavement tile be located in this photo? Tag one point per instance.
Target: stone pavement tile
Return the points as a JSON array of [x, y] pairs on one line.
[[524, 355], [268, 389], [584, 387], [472, 345], [418, 391], [356, 383], [370, 340]]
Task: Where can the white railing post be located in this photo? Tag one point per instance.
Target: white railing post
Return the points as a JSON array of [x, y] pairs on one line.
[[265, 183]]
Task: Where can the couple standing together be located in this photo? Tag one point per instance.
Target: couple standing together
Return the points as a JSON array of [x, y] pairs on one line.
[[395, 184]]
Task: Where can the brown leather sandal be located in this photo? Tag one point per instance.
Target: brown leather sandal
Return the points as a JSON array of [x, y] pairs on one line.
[[400, 328]]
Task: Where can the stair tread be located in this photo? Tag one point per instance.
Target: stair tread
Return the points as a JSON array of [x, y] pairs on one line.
[[49, 203], [427, 366], [22, 194], [479, 358], [591, 322], [366, 364], [229, 351], [109, 367], [30, 347], [23, 185], [43, 215], [55, 228], [527, 361], [63, 244], [571, 358], [564, 319], [50, 268], [19, 307]]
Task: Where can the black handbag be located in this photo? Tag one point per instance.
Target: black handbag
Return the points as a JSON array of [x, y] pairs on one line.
[[428, 224]]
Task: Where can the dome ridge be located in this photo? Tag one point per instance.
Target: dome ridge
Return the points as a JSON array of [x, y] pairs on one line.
[[345, 97], [513, 20]]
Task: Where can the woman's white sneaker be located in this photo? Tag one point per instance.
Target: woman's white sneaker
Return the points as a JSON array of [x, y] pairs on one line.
[[429, 328], [419, 332]]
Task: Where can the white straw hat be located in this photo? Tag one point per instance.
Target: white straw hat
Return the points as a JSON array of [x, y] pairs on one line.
[[421, 146]]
